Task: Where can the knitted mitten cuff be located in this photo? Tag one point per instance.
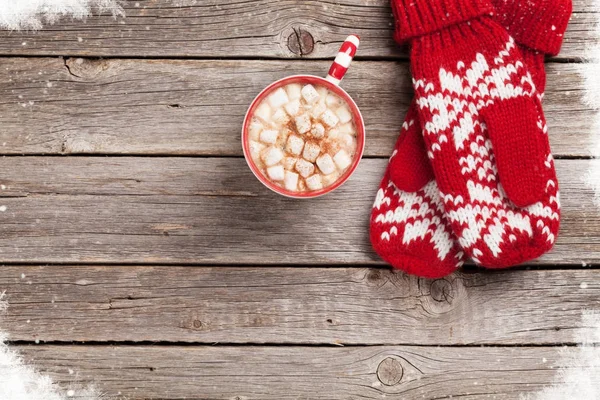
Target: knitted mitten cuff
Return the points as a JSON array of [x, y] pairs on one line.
[[421, 17], [537, 24]]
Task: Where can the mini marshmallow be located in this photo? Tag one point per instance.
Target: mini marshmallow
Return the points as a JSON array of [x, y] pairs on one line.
[[348, 128], [310, 94], [318, 110], [294, 145], [272, 156], [291, 181], [318, 131], [323, 92], [342, 160], [305, 168], [332, 101], [276, 173], [278, 98], [280, 117], [333, 133], [303, 123], [263, 112], [311, 151], [254, 129], [347, 141], [326, 164], [293, 108], [289, 163], [294, 91], [314, 182], [329, 118], [330, 179], [269, 136], [344, 114], [255, 148]]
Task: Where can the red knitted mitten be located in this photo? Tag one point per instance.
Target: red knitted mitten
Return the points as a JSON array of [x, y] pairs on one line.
[[484, 130]]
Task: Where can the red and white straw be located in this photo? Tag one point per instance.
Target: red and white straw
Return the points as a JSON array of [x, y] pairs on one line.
[[344, 58]]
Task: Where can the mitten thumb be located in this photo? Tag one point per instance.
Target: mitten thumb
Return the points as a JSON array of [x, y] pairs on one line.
[[520, 146], [410, 168]]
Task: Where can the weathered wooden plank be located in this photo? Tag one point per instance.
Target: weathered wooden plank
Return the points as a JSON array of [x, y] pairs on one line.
[[295, 305], [303, 372], [264, 28], [212, 210], [197, 107]]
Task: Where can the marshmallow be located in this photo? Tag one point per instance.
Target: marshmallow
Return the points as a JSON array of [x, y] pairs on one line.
[[303, 123], [342, 160], [254, 129], [255, 148], [276, 173], [325, 164], [317, 110], [294, 91], [289, 163], [318, 131], [304, 168], [278, 98], [263, 112], [314, 182], [291, 181], [310, 94], [344, 114], [293, 107], [329, 118], [333, 133], [330, 179], [348, 128], [311, 151], [323, 92], [294, 145], [347, 141], [272, 156], [269, 136], [280, 117], [333, 101]]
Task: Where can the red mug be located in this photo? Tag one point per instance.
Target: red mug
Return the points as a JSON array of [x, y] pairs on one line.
[[331, 82]]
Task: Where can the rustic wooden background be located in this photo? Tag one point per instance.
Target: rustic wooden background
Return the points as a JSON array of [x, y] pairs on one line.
[[139, 251]]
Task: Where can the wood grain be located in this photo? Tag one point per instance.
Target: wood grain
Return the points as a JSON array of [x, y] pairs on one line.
[[405, 373], [343, 306], [168, 107], [212, 210], [263, 28]]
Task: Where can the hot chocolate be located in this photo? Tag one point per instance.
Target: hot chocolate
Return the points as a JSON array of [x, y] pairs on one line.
[[302, 137]]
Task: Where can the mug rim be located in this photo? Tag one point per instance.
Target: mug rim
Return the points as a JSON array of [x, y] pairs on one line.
[[360, 135]]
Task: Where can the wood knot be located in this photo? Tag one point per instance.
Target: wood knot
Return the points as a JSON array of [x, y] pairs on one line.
[[85, 68], [441, 290], [374, 275], [441, 296], [390, 371], [194, 324], [301, 42]]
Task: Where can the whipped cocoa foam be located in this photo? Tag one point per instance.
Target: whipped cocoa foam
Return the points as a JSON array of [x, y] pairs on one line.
[[302, 137]]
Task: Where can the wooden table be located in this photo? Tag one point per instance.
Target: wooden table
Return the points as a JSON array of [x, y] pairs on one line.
[[139, 251]]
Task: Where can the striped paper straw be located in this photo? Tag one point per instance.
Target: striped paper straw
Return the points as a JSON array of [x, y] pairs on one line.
[[344, 58]]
